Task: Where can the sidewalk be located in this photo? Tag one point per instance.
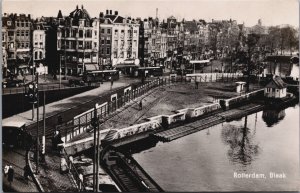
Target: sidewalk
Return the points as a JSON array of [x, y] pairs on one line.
[[16, 158]]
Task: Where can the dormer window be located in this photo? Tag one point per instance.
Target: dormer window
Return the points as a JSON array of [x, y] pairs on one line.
[[81, 22]]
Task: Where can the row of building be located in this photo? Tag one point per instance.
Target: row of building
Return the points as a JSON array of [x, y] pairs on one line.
[[78, 42]]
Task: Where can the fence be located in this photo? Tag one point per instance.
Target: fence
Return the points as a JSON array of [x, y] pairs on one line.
[[81, 123]]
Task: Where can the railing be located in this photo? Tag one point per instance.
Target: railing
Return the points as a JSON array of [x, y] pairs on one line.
[[42, 87], [74, 172], [81, 123]]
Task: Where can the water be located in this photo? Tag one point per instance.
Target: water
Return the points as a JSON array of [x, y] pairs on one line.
[[263, 142]]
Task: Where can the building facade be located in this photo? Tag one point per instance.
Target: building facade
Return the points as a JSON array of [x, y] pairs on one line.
[[125, 38], [78, 42]]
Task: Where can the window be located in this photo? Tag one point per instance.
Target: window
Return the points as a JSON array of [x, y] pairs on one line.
[[102, 31], [17, 24], [27, 25], [122, 54], [74, 31], [102, 50], [122, 31], [18, 33], [107, 51], [108, 31], [95, 32], [135, 31], [22, 33], [80, 44], [116, 43], [95, 45], [116, 32], [88, 45], [135, 43], [80, 33], [22, 24], [115, 54], [9, 23], [35, 55], [27, 33], [108, 40], [102, 40]]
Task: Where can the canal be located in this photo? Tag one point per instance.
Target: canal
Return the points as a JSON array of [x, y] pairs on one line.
[[263, 142]]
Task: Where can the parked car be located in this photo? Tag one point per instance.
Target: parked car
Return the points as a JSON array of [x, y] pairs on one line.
[[12, 83], [75, 82]]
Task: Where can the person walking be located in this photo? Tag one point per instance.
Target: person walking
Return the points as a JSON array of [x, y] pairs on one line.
[[26, 172], [70, 162], [81, 181], [141, 104], [6, 168], [111, 83], [11, 174]]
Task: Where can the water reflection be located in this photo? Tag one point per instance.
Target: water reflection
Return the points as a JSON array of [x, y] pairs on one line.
[[272, 116], [242, 149]]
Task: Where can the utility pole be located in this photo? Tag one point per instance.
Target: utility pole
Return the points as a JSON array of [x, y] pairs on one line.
[[59, 71], [95, 125], [44, 125], [37, 128]]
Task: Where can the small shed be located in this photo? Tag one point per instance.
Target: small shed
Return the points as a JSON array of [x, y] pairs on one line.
[[276, 88], [240, 86]]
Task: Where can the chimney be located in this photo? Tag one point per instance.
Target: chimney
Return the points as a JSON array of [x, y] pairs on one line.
[[107, 12], [110, 12], [101, 15], [116, 12], [76, 7]]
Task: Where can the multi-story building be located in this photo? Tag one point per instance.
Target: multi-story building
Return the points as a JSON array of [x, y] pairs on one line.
[[39, 45], [23, 27], [17, 30], [78, 42], [105, 40], [125, 38]]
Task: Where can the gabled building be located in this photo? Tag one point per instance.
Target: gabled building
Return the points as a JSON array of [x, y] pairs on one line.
[[78, 41], [276, 88]]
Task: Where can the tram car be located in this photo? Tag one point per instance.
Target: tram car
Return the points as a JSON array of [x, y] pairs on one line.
[[13, 133]]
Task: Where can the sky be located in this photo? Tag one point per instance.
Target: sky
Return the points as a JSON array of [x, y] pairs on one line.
[[271, 12]]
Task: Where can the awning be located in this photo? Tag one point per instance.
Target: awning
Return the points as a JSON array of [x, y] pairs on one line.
[[199, 61], [91, 67], [20, 56], [125, 65]]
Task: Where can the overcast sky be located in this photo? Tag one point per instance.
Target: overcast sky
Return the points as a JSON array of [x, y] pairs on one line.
[[272, 12]]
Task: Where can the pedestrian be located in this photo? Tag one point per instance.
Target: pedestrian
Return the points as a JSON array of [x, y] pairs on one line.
[[196, 84], [111, 82], [63, 165], [80, 181], [70, 162], [6, 168], [11, 173], [141, 104], [26, 172]]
